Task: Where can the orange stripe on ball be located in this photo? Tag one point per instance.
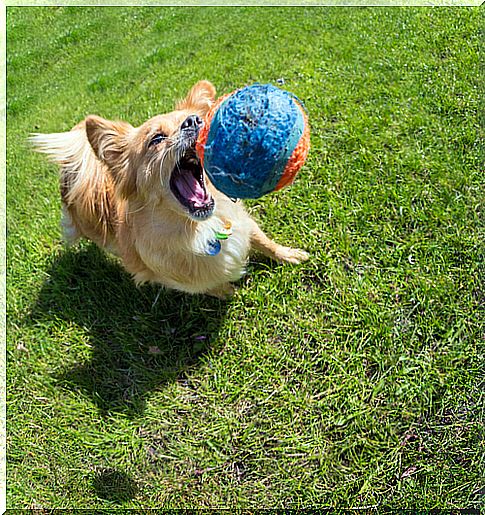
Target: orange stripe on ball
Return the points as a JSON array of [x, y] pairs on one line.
[[204, 131], [297, 158]]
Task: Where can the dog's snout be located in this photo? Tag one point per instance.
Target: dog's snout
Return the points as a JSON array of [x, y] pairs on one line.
[[192, 122]]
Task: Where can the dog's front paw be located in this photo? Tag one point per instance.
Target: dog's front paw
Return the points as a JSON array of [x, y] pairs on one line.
[[289, 255], [223, 292]]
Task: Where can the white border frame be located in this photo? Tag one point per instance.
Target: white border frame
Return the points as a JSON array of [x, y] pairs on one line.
[[3, 125]]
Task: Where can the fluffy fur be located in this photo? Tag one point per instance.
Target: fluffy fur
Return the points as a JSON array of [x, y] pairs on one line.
[[141, 194]]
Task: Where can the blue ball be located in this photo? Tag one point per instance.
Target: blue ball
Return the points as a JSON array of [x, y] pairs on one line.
[[250, 138]]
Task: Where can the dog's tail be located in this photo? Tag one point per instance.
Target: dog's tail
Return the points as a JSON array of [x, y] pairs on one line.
[[83, 180], [80, 170], [63, 148]]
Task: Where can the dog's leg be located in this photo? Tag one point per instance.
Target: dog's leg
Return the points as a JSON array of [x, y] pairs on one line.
[[70, 233], [261, 242], [223, 292]]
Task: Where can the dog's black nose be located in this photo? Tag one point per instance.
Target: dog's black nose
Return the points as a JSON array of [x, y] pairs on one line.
[[191, 122]]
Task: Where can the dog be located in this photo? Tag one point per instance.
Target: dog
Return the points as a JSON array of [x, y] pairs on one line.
[[142, 194]]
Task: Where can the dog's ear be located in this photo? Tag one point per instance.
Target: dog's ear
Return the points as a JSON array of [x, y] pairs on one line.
[[110, 141], [200, 98]]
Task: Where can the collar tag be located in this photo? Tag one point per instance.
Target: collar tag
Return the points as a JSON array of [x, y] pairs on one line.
[[213, 247]]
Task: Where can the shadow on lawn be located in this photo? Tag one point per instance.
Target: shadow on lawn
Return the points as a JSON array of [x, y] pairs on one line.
[[140, 338], [114, 485]]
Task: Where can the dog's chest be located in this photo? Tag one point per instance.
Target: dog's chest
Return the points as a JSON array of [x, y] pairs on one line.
[[223, 245], [197, 258]]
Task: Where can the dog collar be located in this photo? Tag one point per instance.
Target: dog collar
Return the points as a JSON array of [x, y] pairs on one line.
[[214, 244]]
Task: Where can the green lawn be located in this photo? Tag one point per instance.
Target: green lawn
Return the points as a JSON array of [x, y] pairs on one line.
[[355, 379]]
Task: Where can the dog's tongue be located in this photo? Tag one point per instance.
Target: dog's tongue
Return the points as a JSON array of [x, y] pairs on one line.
[[192, 190]]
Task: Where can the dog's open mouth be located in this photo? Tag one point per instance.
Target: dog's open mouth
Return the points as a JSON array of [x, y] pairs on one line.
[[187, 183]]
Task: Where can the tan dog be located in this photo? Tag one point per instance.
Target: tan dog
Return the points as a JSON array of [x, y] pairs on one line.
[[142, 194]]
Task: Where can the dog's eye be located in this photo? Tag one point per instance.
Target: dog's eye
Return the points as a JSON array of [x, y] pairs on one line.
[[158, 138]]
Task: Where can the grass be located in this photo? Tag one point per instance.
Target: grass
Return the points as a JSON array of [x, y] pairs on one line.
[[353, 380]]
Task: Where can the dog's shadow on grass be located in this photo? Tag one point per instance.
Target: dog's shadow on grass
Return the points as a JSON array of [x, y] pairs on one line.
[[139, 338]]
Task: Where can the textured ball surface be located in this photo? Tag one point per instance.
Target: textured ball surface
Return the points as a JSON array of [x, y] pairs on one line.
[[254, 141]]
